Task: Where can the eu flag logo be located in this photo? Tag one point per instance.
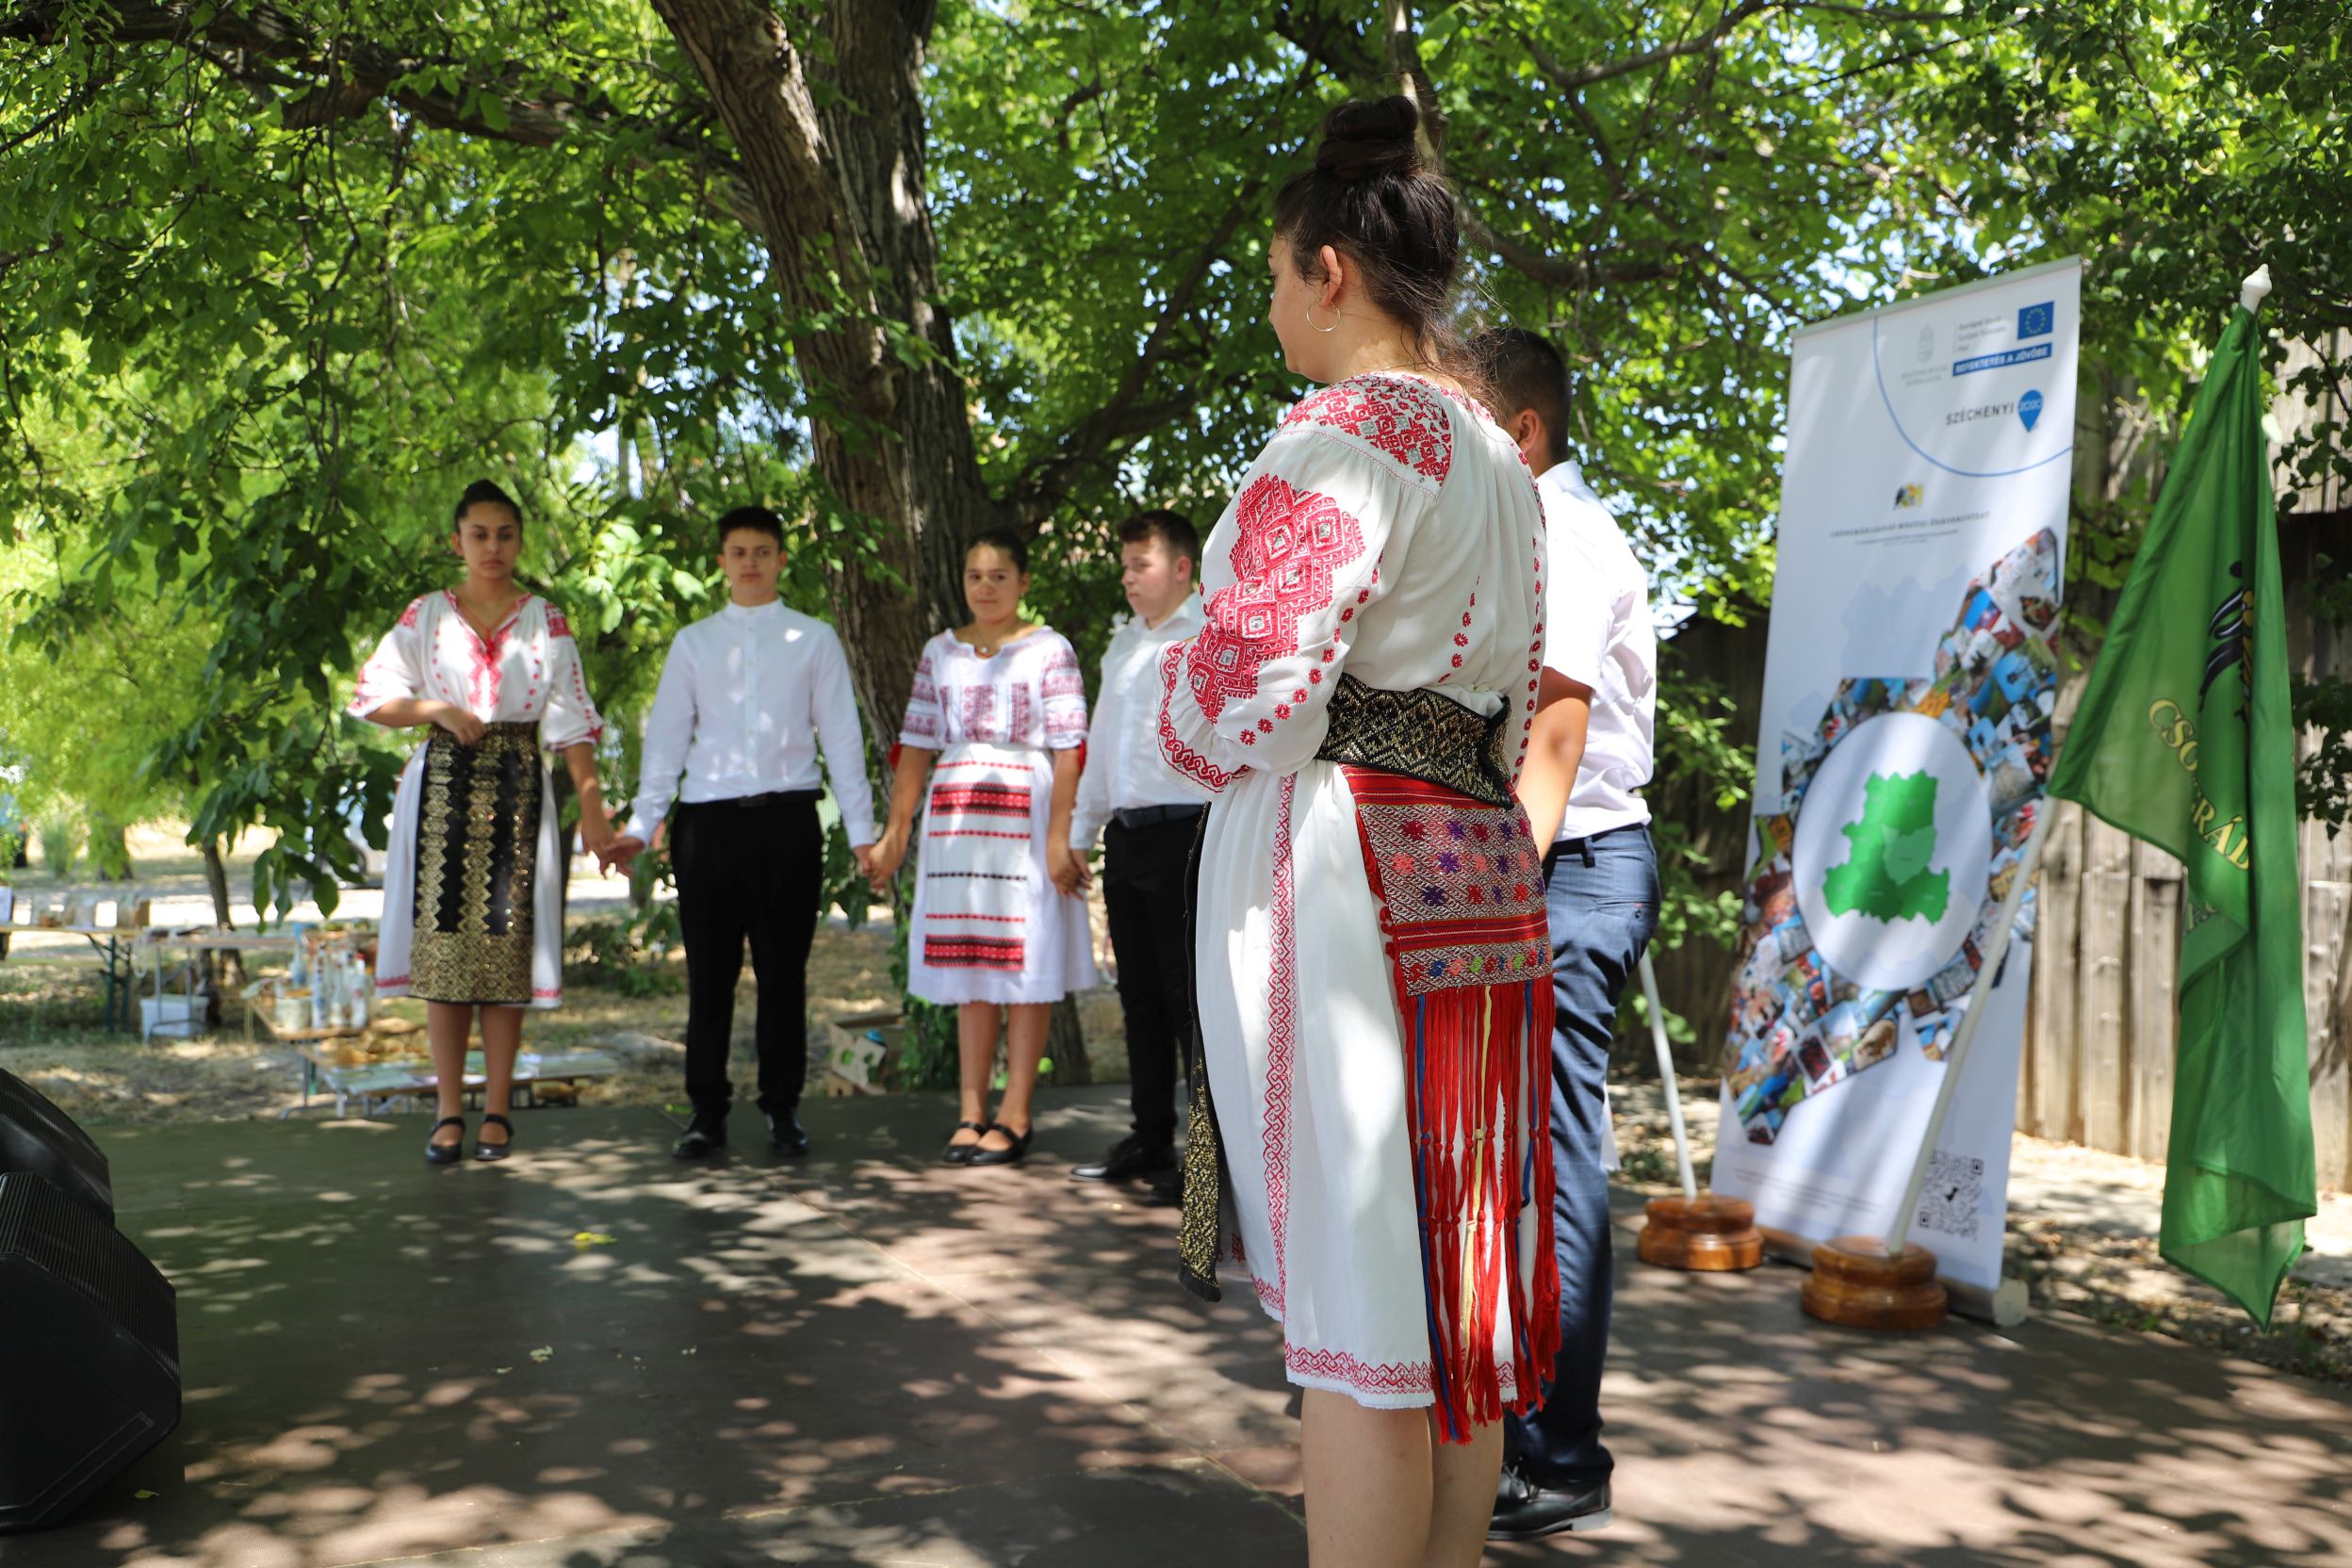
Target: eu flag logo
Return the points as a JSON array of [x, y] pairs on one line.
[[2038, 320]]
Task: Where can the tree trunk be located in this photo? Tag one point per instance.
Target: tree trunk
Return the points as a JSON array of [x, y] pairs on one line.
[[222, 971], [839, 195], [1065, 1045]]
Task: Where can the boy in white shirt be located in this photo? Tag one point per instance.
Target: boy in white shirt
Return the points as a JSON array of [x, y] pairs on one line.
[[1590, 753], [1152, 815], [746, 698]]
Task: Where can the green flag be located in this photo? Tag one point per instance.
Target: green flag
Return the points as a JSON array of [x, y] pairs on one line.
[[2183, 739]]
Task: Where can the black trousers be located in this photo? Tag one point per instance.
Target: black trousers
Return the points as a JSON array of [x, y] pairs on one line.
[[747, 872], [1147, 889]]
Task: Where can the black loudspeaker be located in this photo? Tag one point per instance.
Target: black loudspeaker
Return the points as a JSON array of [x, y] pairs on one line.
[[36, 1138], [89, 1353]]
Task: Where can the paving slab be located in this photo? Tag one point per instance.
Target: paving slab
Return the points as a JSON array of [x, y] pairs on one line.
[[591, 1356]]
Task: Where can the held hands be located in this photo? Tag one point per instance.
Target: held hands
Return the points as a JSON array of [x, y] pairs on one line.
[[621, 853], [1067, 868], [596, 836], [462, 725], [883, 858]]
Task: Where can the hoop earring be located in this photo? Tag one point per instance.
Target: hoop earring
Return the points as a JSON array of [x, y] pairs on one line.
[[1333, 327]]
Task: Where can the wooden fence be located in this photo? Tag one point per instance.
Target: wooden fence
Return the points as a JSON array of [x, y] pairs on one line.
[[2098, 1041]]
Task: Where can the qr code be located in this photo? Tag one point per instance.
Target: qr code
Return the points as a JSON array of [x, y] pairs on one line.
[[1955, 1189]]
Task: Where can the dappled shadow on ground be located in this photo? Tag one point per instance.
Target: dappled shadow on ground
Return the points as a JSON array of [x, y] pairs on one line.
[[593, 1356]]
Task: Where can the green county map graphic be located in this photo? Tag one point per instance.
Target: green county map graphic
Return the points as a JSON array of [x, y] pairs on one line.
[[1884, 875]]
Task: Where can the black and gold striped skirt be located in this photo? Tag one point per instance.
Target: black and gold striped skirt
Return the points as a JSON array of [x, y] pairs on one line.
[[477, 854]]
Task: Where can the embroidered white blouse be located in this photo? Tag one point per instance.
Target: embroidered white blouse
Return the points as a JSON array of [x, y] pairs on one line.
[[526, 672], [1029, 693]]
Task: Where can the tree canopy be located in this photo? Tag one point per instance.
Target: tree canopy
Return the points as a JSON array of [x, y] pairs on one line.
[[276, 278]]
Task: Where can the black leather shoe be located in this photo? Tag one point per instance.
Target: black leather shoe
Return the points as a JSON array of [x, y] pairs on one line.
[[484, 1149], [1526, 1511], [786, 1136], [446, 1153], [705, 1136], [983, 1154], [1127, 1160], [960, 1153]]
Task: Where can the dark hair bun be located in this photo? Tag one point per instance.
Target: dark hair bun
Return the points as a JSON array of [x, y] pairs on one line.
[[1369, 138], [483, 492]]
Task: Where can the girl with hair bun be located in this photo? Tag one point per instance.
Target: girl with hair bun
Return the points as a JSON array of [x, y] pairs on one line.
[[473, 884], [1374, 972]]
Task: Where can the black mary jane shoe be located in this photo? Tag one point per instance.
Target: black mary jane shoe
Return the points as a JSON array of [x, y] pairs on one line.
[[494, 1150], [1002, 1156], [960, 1153], [446, 1153]]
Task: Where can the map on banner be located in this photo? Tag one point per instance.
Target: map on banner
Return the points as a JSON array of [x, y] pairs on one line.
[[1875, 886]]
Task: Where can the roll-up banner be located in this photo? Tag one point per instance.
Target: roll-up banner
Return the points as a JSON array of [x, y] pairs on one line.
[[1908, 689]]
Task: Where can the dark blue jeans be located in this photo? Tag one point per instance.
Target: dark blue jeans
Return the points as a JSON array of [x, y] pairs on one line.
[[1602, 894]]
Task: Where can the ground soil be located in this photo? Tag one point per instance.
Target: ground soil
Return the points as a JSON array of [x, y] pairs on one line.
[[2096, 1258]]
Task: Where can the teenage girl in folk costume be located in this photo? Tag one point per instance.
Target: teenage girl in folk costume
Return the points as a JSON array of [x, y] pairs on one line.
[[997, 725], [1373, 968], [473, 885]]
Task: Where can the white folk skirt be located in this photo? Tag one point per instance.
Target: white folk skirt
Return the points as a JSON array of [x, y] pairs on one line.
[[1306, 1059]]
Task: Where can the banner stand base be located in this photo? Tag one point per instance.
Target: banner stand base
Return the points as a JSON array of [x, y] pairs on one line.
[[1707, 1235], [1861, 1283], [2004, 1307]]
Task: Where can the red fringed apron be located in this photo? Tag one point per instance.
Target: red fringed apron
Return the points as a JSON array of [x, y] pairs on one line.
[[1460, 887]]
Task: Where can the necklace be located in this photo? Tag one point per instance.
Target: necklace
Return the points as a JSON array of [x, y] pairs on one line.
[[986, 649]]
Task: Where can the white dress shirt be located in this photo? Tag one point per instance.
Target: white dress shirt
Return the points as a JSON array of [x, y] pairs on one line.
[[1124, 769], [747, 697], [1598, 633]]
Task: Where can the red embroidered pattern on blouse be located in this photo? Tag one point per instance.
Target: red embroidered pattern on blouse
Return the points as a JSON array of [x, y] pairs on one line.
[[416, 607], [1281, 1022], [977, 710], [1180, 756], [556, 625], [1402, 418], [1291, 543]]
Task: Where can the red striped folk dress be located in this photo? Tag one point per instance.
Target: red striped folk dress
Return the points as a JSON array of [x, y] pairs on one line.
[[989, 926]]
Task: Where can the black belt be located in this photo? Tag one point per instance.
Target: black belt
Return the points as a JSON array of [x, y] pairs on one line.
[[1419, 734], [1582, 848], [774, 797], [1133, 817]]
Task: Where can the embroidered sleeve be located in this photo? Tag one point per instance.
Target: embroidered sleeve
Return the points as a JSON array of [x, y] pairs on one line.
[[571, 718], [925, 724], [1291, 568], [1063, 688], [395, 669]]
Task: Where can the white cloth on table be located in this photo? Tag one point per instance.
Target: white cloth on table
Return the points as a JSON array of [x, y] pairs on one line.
[[745, 699], [527, 671], [1124, 768], [1598, 634], [989, 924], [1392, 532]]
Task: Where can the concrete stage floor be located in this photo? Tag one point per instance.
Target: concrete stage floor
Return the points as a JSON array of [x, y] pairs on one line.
[[867, 1359]]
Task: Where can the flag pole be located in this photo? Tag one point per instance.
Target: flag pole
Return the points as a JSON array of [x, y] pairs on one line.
[[1666, 1076], [2029, 861]]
